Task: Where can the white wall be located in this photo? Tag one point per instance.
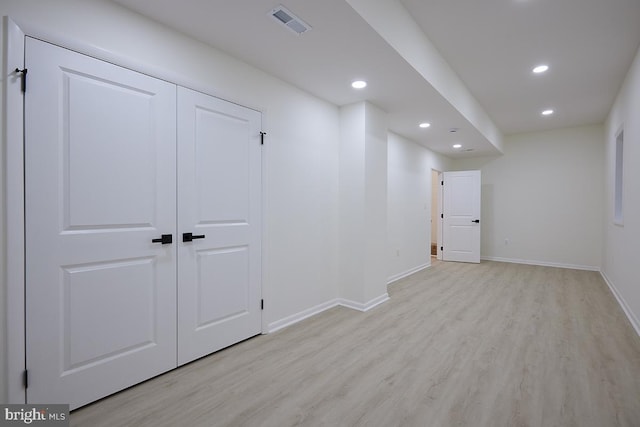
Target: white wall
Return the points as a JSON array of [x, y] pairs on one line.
[[300, 155], [376, 154], [352, 200], [409, 205], [545, 196], [363, 203], [620, 261]]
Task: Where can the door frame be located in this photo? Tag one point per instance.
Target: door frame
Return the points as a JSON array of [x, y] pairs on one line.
[[14, 208], [437, 197], [440, 220], [13, 116]]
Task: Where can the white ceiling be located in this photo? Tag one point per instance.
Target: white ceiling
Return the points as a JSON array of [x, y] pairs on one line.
[[494, 44], [491, 44]]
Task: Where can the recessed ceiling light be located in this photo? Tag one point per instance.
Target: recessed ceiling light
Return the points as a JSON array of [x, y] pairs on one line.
[[540, 69], [547, 112], [425, 125], [457, 145], [359, 84]]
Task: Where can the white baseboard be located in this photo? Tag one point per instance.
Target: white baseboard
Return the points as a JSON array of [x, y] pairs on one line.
[[625, 307], [409, 272], [542, 263], [366, 306], [295, 318]]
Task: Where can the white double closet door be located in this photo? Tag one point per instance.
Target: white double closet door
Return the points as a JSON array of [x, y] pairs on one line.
[[114, 161]]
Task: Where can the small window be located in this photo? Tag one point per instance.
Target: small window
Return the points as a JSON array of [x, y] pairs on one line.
[[617, 212]]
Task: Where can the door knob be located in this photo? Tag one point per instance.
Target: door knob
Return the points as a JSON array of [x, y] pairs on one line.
[[165, 239], [187, 237], [477, 221]]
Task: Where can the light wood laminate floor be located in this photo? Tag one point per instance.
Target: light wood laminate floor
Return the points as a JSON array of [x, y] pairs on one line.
[[492, 345]]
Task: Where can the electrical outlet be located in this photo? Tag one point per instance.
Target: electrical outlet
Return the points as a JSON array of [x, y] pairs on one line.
[[506, 241]]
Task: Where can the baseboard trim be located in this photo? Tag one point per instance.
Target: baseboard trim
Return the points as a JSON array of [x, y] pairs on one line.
[[298, 317], [305, 314], [625, 307], [366, 306], [542, 263], [409, 272]]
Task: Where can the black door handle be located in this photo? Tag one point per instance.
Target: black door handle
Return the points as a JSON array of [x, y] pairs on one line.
[[165, 239], [187, 237], [477, 221]]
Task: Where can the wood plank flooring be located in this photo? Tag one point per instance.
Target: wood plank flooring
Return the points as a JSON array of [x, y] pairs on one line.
[[492, 345]]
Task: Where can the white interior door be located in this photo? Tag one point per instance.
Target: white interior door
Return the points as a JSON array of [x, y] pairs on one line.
[[219, 196], [99, 186], [461, 222]]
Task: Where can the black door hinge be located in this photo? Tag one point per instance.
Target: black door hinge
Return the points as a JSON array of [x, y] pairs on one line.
[[23, 84], [441, 248], [261, 304], [262, 134], [25, 378], [442, 216], [441, 182]]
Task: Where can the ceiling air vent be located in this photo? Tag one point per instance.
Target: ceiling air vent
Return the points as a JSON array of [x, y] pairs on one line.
[[289, 20]]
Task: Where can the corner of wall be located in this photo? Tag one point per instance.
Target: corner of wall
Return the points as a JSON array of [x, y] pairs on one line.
[[620, 241]]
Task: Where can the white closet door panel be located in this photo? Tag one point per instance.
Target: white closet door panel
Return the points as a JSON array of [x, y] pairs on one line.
[[100, 185], [108, 148], [226, 269], [219, 196]]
